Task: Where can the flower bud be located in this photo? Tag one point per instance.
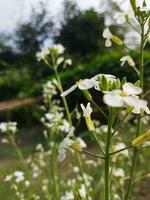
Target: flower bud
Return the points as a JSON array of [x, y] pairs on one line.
[[141, 139], [117, 40], [76, 146], [89, 123]]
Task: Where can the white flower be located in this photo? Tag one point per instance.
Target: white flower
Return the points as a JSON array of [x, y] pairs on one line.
[[68, 61], [27, 183], [59, 48], [127, 59], [19, 176], [8, 178], [104, 128], [76, 169], [63, 146], [116, 197], [82, 191], [81, 142], [59, 60], [8, 127], [127, 96], [68, 196], [137, 104], [87, 115], [119, 172], [82, 85], [42, 54], [4, 141], [86, 110], [39, 147], [107, 35]]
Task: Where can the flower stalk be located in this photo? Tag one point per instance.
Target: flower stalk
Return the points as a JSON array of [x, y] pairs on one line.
[[107, 157], [141, 76]]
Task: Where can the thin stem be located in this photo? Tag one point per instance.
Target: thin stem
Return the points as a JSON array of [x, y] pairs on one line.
[[133, 52], [96, 138], [94, 155], [135, 150], [82, 173], [115, 152], [120, 124], [19, 153], [133, 26], [63, 98], [101, 111], [54, 173], [107, 157], [70, 121], [136, 70]]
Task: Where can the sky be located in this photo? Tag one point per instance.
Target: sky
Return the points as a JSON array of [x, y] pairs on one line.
[[17, 11]]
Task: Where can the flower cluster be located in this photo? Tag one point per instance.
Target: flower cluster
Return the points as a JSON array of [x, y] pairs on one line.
[[128, 96], [8, 127], [69, 143]]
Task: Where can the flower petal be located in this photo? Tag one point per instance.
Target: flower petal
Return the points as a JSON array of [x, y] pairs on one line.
[[106, 33], [113, 99], [108, 43], [86, 84], [71, 89], [131, 89]]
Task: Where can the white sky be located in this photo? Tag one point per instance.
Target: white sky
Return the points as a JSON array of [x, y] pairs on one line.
[[14, 11]]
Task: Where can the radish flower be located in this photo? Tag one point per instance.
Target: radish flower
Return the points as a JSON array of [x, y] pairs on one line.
[[127, 97], [127, 59], [82, 85], [87, 115]]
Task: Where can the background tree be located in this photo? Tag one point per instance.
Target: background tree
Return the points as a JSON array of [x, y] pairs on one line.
[[80, 31]]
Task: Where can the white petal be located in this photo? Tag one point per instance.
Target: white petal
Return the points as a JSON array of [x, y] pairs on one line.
[[71, 89], [86, 84], [131, 101], [113, 99], [107, 33], [60, 60], [147, 110], [108, 43], [131, 89], [86, 110], [137, 104]]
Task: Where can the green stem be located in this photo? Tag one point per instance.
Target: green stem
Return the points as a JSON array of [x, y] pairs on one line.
[[94, 155], [107, 157], [98, 108], [133, 52], [115, 152], [120, 124], [96, 138], [135, 150], [82, 174], [55, 170], [70, 121], [19, 153], [63, 98]]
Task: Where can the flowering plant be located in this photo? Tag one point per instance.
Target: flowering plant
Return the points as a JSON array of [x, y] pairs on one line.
[[123, 103]]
